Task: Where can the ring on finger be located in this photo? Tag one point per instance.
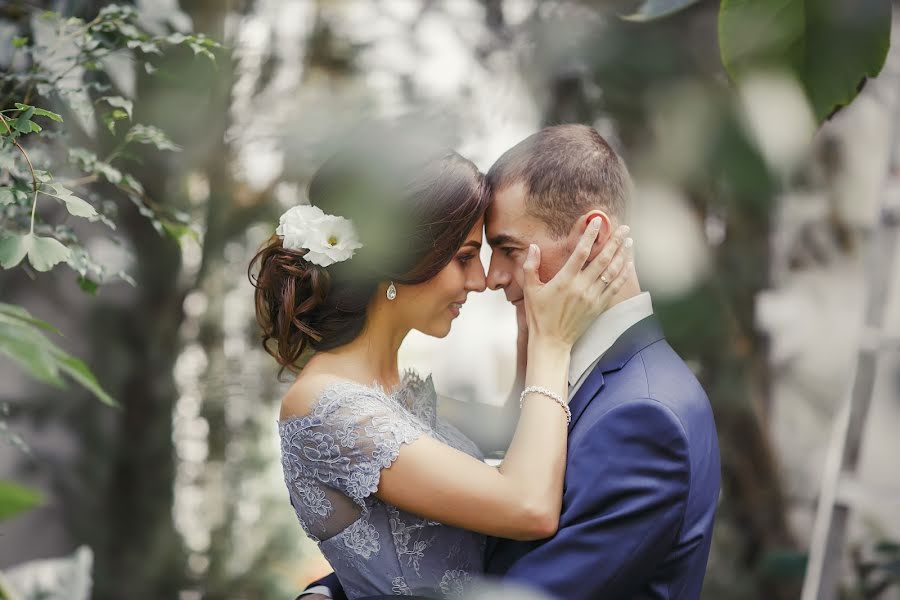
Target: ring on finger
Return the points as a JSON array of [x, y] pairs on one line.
[[604, 280]]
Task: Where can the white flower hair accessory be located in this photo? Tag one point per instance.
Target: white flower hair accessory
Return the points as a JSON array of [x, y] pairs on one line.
[[328, 239]]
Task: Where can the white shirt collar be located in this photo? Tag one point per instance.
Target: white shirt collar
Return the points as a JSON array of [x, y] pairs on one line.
[[604, 332]]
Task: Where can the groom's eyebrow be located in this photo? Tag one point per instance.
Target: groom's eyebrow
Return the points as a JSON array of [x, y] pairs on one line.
[[502, 240]]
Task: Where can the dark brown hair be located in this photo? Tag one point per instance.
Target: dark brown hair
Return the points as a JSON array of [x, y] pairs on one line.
[[567, 170], [412, 210]]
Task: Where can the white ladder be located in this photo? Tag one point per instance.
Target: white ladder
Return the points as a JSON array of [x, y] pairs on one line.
[[841, 487]]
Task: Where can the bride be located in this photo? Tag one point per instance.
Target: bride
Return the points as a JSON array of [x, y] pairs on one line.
[[399, 501]]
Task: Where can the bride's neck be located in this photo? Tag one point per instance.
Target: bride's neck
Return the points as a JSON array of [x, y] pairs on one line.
[[374, 352]]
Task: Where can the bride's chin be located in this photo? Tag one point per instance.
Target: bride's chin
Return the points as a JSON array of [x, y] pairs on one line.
[[440, 330]]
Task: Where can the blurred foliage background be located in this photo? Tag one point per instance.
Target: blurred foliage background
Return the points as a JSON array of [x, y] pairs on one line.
[[148, 149]]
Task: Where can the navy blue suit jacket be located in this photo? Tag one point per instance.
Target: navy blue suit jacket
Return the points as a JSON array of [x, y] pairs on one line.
[[641, 486]]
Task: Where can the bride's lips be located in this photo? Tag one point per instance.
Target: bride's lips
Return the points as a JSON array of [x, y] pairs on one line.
[[454, 308], [517, 302]]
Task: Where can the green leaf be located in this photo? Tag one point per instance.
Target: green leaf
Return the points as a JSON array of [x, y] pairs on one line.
[[43, 252], [7, 157], [831, 46], [783, 564], [46, 252], [23, 121], [658, 9], [15, 499], [111, 118], [145, 47], [112, 174], [148, 134], [88, 285], [132, 184], [11, 313], [198, 49], [31, 350], [82, 157], [75, 205], [22, 340], [78, 371], [177, 231], [19, 42], [887, 547], [10, 196], [40, 112], [13, 248], [120, 102]]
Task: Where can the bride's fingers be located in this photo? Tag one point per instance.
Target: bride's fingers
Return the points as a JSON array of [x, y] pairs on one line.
[[581, 253], [616, 284], [601, 262], [531, 265], [616, 263], [615, 276]]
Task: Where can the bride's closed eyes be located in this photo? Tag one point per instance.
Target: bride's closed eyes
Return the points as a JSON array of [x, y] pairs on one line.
[[470, 250]]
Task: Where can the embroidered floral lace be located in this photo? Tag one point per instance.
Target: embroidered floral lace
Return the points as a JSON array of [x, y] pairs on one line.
[[332, 460]]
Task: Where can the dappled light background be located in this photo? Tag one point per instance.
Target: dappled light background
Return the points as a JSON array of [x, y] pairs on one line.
[[750, 221]]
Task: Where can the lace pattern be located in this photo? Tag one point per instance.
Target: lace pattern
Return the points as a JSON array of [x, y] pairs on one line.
[[332, 460]]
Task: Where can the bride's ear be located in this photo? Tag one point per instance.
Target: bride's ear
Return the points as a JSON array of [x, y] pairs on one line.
[[606, 229]]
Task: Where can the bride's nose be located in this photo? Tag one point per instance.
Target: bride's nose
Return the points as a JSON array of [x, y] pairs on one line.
[[476, 282]]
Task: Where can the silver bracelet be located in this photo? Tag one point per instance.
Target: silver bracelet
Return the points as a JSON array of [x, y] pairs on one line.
[[545, 392]]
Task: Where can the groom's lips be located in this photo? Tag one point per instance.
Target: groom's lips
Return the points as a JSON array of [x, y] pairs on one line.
[[517, 301]]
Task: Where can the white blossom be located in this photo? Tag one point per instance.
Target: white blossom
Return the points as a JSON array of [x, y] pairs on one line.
[[326, 238]]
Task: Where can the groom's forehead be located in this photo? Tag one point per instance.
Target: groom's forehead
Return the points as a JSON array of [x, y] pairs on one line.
[[508, 222], [506, 203]]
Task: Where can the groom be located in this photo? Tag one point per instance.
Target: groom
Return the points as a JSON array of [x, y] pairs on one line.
[[642, 472]]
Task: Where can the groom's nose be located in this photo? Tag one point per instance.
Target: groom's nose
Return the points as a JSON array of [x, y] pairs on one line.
[[497, 278]]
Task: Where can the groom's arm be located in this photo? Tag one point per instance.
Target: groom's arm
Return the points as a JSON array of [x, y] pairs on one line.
[[626, 491]]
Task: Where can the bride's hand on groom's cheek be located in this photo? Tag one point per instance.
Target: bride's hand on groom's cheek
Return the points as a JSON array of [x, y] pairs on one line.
[[521, 319], [562, 308]]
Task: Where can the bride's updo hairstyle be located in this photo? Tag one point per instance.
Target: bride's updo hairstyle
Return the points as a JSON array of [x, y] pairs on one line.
[[412, 208]]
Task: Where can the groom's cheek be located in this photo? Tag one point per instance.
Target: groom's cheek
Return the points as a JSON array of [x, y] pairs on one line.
[[519, 275]]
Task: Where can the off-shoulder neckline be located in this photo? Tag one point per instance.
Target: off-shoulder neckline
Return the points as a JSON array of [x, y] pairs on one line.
[[408, 379]]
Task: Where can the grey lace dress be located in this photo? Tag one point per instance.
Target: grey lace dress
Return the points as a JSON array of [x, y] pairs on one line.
[[332, 460]]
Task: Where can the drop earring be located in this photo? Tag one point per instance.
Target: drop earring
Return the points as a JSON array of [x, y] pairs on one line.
[[391, 292]]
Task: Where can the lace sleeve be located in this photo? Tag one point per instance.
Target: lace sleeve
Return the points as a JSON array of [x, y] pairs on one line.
[[333, 457], [370, 430]]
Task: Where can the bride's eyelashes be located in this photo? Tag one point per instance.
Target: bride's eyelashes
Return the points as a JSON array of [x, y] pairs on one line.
[[465, 258]]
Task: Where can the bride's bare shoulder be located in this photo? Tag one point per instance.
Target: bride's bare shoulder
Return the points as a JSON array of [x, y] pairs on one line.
[[300, 397]]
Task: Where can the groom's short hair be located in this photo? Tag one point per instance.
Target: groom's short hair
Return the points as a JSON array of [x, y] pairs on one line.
[[567, 170]]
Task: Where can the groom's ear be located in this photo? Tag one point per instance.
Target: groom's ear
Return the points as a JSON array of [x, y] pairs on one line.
[[581, 224]]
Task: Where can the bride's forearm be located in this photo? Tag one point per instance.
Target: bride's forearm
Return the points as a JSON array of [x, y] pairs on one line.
[[537, 454], [521, 365]]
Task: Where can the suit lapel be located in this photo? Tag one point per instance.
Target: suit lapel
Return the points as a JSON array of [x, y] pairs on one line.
[[636, 338]]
